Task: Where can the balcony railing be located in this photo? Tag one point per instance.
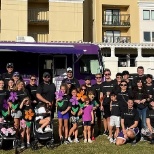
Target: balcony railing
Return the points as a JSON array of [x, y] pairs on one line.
[[116, 20], [38, 15], [117, 39], [40, 37]]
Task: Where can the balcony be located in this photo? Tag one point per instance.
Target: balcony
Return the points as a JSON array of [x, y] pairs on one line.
[[117, 39], [38, 16], [122, 20], [40, 37]]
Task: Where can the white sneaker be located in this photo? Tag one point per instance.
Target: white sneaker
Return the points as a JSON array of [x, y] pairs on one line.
[[85, 140], [40, 130], [76, 140], [69, 139], [48, 129], [111, 140], [90, 141], [114, 141]]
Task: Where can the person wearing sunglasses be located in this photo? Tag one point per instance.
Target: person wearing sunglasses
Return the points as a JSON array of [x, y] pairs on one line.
[[8, 75], [45, 92], [32, 87], [96, 88], [124, 94], [107, 88]]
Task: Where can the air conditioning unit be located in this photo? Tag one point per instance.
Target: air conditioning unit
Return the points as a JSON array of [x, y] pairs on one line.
[[25, 39]]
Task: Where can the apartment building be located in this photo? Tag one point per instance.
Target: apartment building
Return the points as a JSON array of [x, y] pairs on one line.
[[45, 20]]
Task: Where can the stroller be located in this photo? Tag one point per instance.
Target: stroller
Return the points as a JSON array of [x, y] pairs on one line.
[[8, 133], [46, 137]]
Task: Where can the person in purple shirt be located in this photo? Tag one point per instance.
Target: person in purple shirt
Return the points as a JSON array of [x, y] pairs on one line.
[[88, 119]]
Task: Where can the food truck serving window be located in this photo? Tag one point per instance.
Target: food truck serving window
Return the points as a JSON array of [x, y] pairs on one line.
[[89, 64]]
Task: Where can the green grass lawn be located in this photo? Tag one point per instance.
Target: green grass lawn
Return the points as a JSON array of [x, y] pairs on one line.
[[100, 146]]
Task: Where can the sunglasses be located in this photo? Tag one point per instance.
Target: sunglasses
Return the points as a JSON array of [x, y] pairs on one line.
[[47, 77], [123, 85], [107, 74], [9, 67], [98, 77], [83, 89], [33, 79]]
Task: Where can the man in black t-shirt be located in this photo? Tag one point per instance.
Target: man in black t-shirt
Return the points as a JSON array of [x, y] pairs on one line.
[[129, 124], [96, 88], [46, 92], [74, 81], [8, 75]]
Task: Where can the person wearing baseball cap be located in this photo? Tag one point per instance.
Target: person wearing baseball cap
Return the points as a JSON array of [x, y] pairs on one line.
[[74, 81], [45, 92], [8, 75], [125, 76]]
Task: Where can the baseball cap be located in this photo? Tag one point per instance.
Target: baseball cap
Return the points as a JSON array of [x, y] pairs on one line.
[[69, 69], [87, 78], [9, 65], [125, 73], [16, 74], [46, 74], [68, 82]]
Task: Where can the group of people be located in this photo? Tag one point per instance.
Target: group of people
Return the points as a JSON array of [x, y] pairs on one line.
[[125, 107]]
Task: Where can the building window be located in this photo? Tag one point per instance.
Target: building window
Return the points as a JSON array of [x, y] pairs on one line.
[[152, 36], [146, 15], [112, 36], [147, 36], [152, 14]]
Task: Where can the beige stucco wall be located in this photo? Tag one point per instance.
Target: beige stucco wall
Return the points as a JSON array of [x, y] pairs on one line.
[[133, 31], [13, 19], [65, 21]]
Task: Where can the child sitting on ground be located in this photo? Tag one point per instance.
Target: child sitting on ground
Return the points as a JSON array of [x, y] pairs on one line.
[[43, 118]]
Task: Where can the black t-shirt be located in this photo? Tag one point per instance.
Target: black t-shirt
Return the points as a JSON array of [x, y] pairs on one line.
[[20, 96], [150, 89], [64, 103], [4, 94], [75, 109], [129, 116], [31, 114], [89, 89], [115, 111], [107, 86], [6, 77], [47, 91], [97, 88], [74, 82], [150, 115], [32, 91], [140, 94], [123, 97]]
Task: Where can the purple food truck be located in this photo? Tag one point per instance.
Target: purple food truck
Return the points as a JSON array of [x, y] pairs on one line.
[[54, 57]]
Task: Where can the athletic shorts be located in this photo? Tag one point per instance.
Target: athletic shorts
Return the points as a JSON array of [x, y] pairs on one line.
[[115, 121], [74, 119], [107, 112], [63, 116], [86, 123]]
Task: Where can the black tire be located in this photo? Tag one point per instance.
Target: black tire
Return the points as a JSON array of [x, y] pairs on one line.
[[50, 145], [34, 145]]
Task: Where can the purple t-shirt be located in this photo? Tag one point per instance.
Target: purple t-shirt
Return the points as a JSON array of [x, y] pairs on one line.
[[87, 113]]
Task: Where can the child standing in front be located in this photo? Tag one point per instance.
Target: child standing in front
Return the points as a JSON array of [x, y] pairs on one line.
[[115, 117], [75, 113], [88, 119], [63, 109]]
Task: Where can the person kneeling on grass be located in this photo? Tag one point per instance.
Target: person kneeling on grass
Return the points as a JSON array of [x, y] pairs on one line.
[[43, 118], [129, 124], [149, 131], [115, 117], [88, 119]]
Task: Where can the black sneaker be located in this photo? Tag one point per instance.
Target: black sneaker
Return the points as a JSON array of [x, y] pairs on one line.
[[28, 145], [106, 133], [22, 146], [133, 143], [61, 140]]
